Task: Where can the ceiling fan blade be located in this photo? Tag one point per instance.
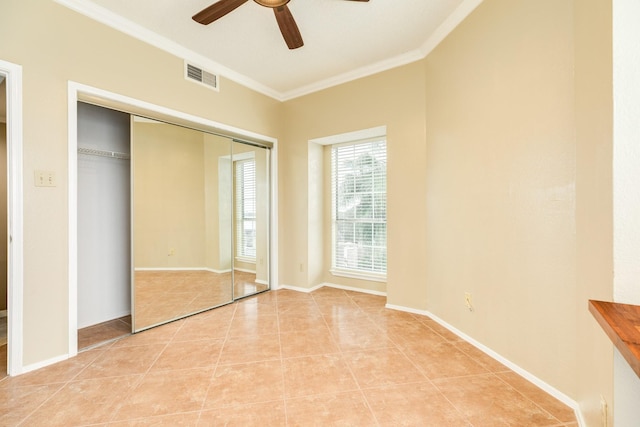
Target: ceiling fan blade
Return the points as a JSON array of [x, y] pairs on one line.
[[217, 11], [288, 27]]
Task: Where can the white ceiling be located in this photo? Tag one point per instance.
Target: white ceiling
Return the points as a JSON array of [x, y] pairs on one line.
[[344, 40]]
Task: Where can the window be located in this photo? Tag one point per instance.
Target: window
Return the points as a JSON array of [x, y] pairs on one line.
[[245, 189], [359, 208]]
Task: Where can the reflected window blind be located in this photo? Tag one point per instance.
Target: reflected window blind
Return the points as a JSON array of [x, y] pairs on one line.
[[245, 184], [359, 206]]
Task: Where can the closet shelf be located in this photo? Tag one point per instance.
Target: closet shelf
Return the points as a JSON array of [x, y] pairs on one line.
[[103, 153], [621, 323]]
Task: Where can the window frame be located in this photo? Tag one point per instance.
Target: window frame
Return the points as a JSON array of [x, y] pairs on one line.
[[240, 219]]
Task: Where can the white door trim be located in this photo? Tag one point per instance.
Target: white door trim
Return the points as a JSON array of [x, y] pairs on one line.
[[15, 254], [80, 92]]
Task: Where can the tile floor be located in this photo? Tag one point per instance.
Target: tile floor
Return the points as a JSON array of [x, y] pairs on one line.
[[101, 333], [283, 359]]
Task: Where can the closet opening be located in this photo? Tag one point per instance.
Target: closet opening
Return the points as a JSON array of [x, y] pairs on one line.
[[104, 238], [201, 244]]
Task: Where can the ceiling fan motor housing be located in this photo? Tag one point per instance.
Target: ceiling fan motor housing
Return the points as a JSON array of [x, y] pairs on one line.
[[272, 3]]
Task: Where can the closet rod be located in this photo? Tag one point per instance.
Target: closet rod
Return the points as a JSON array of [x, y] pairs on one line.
[[103, 153]]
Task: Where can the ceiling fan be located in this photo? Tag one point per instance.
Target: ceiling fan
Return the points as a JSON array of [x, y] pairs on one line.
[[287, 24]]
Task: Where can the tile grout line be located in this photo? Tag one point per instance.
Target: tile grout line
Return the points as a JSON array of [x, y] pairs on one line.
[[217, 364], [560, 422], [364, 397], [141, 377]]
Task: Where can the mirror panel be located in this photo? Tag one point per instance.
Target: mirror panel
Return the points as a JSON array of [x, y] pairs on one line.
[[182, 222], [251, 194]]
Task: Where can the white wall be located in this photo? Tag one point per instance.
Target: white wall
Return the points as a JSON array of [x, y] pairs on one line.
[[104, 217], [626, 191]]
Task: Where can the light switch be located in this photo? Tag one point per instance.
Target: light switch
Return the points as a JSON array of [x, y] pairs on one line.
[[45, 178]]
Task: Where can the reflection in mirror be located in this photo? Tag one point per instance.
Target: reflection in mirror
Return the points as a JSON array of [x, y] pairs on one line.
[[251, 219], [182, 222]]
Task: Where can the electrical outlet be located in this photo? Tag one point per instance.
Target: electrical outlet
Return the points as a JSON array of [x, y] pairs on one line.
[[467, 301]]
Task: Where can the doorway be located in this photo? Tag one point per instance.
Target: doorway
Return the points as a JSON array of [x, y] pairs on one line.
[[11, 104], [3, 227]]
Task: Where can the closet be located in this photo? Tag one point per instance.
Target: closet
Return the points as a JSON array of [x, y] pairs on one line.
[[104, 215], [172, 221]]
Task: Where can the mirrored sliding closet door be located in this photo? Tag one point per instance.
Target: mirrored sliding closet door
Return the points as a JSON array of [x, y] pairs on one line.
[[200, 207]]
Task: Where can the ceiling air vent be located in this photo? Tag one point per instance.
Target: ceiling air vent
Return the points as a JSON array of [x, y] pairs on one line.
[[198, 75]]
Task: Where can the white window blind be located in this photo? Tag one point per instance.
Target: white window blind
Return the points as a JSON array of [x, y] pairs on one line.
[[359, 207], [245, 188]]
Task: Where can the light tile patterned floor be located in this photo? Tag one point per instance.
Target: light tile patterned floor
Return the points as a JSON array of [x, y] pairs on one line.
[[283, 359]]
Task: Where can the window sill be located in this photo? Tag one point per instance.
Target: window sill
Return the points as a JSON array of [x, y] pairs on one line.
[[246, 260], [372, 277]]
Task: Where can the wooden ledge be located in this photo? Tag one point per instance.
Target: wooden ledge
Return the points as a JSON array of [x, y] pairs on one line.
[[621, 323]]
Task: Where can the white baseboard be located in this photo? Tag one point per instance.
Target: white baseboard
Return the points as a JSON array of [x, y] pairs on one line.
[[354, 289], [300, 289], [43, 364], [182, 269], [517, 369], [261, 282], [245, 270]]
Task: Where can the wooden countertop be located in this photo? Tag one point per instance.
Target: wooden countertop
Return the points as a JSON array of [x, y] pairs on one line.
[[621, 323]]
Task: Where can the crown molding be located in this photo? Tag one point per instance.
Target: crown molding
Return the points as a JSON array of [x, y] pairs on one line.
[[128, 27], [356, 74], [462, 11], [137, 31]]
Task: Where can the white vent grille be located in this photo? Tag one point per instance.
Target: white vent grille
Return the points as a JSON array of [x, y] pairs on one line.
[[198, 75]]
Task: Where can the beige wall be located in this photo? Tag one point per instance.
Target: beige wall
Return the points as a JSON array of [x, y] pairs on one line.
[[594, 199], [499, 172], [396, 99], [56, 45], [519, 186]]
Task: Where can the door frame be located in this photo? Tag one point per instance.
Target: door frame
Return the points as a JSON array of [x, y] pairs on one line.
[[15, 255], [84, 93]]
